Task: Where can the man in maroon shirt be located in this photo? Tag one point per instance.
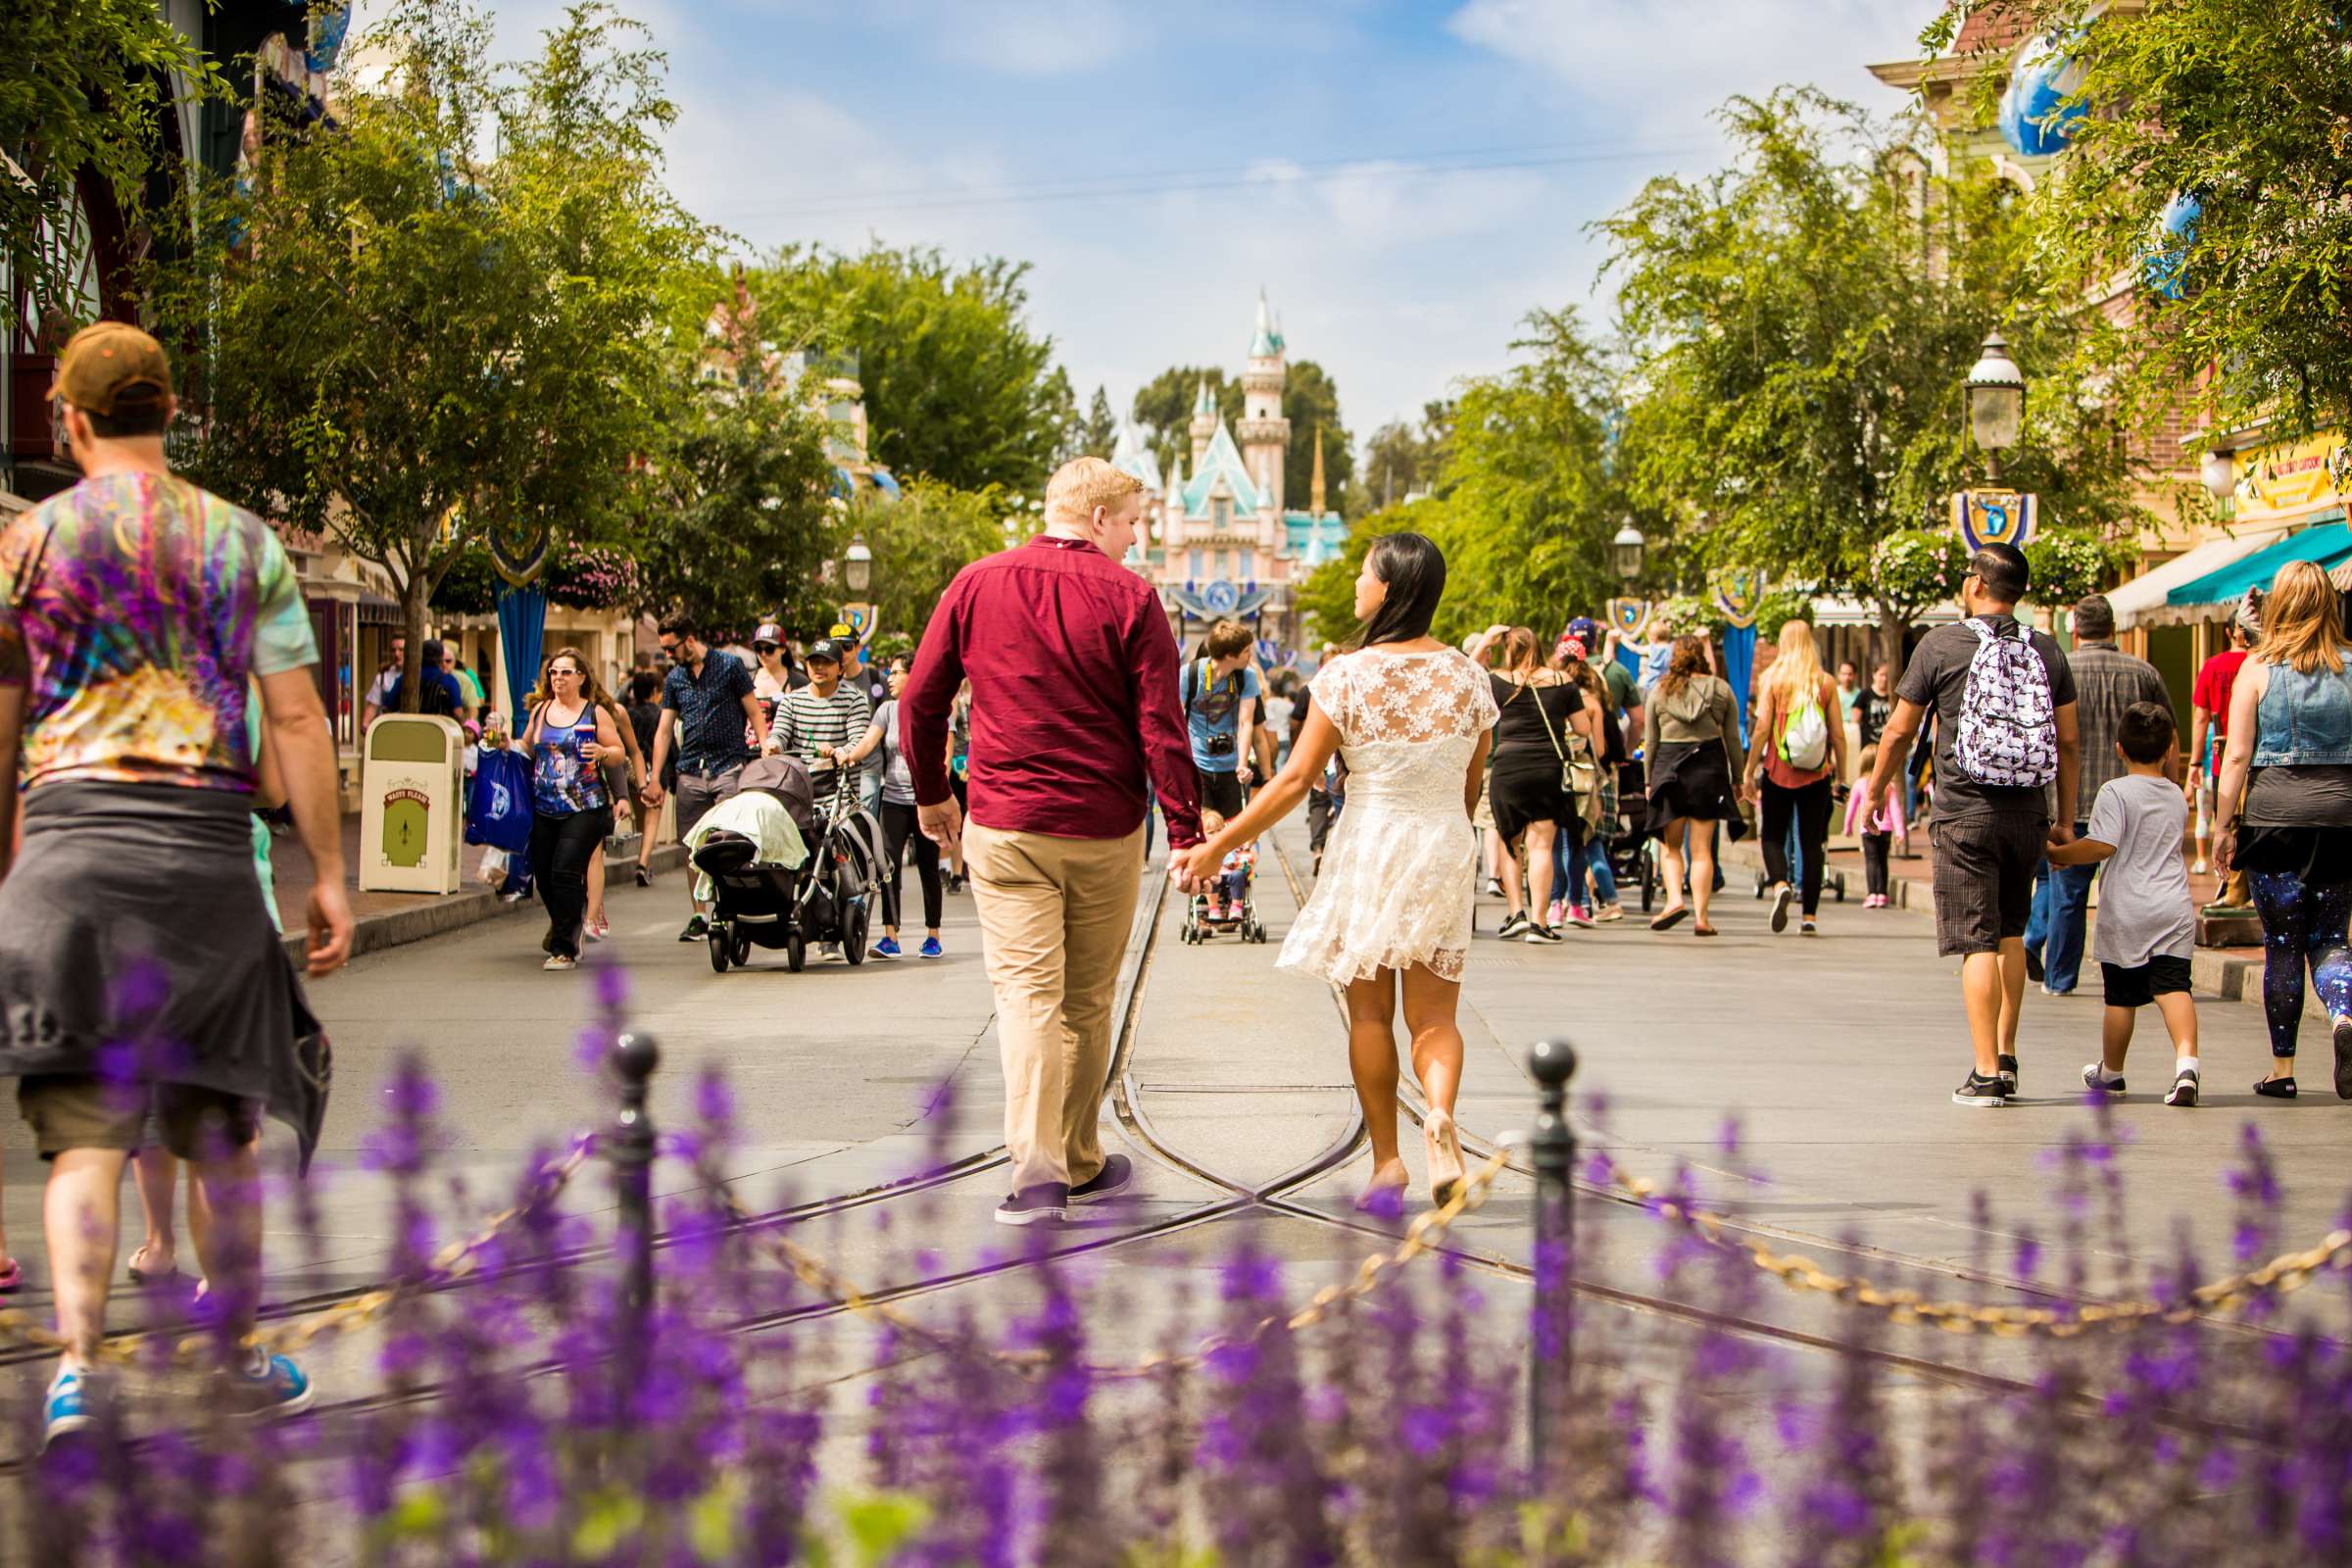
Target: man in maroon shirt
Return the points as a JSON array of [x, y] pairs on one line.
[[1073, 673]]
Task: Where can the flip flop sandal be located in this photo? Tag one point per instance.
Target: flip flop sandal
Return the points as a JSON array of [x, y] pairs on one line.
[[1670, 918], [1704, 931], [143, 1276]]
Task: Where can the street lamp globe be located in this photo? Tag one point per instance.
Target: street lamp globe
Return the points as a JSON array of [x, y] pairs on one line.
[[2218, 474], [858, 565], [1997, 397], [1625, 550]]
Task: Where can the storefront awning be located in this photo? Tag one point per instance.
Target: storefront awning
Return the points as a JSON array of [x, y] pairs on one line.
[[2136, 600], [2201, 599]]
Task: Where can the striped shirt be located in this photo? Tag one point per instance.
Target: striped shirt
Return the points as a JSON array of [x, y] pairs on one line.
[[806, 721]]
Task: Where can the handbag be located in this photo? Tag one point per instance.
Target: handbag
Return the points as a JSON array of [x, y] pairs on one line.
[[1580, 773]]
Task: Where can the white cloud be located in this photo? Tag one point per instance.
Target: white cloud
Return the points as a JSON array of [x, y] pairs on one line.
[[1662, 65], [1038, 37]]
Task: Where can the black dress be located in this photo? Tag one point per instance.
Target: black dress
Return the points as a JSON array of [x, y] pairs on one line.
[[1530, 739]]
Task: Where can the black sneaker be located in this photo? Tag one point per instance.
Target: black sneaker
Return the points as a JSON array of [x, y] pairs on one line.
[[1780, 909], [2033, 969], [1043, 1204], [2008, 1074], [1116, 1176], [697, 929], [1513, 925], [2094, 1077], [1980, 1092], [2185, 1088], [1537, 931], [2276, 1088], [2343, 1058]]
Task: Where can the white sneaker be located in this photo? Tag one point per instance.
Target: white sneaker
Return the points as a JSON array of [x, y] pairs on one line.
[[2199, 869]]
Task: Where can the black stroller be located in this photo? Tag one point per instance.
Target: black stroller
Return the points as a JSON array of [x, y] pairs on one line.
[[1633, 856], [825, 898]]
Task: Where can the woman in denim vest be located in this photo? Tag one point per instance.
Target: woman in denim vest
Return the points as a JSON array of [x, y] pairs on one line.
[[2290, 829]]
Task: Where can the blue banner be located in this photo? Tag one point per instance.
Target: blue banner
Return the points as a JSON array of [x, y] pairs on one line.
[[521, 630], [1739, 666]]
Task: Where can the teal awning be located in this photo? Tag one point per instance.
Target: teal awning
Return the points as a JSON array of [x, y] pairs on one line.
[[2329, 544]]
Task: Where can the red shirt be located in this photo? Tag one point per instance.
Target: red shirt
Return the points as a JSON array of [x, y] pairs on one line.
[[1073, 673], [2214, 683]]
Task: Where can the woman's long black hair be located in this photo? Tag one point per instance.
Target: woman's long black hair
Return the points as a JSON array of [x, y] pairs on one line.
[[1414, 569]]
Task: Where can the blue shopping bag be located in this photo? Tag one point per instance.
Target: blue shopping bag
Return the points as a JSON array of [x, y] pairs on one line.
[[498, 810]]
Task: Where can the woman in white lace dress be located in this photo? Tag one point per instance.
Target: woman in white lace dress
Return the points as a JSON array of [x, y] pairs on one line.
[[1411, 719]]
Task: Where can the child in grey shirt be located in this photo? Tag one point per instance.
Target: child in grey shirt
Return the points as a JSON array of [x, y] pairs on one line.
[[2146, 930]]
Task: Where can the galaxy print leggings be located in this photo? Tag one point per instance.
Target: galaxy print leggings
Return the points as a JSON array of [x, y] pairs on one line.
[[2302, 922]]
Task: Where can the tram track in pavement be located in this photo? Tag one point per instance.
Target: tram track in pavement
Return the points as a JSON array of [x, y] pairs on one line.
[[1477, 1148]]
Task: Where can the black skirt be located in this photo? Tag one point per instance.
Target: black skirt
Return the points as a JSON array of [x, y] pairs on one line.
[[1524, 793], [2318, 856], [133, 940], [1693, 779]]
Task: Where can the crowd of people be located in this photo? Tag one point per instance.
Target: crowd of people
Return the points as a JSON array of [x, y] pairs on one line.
[[1018, 753]]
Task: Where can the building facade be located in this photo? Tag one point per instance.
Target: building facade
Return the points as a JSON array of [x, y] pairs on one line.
[[1221, 539]]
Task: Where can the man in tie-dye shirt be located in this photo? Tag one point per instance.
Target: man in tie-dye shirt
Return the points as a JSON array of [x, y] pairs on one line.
[[139, 971]]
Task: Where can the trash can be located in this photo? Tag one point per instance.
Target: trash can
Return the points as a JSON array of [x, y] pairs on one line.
[[411, 803]]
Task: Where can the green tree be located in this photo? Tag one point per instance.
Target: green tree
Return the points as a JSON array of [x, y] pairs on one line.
[[492, 317], [736, 523], [958, 386], [2244, 107], [1401, 458], [1527, 504], [85, 86], [1099, 431], [1310, 401], [1163, 409], [921, 542], [1801, 334]]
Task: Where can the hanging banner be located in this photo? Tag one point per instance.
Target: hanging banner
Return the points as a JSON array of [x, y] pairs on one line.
[[1740, 665], [859, 618], [1629, 615], [1983, 517], [1738, 593]]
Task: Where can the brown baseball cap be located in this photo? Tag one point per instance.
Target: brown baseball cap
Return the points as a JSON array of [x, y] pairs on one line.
[[104, 362]]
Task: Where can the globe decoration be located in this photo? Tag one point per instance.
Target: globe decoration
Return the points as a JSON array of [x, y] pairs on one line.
[[2035, 114], [328, 25], [2167, 259], [1222, 597]]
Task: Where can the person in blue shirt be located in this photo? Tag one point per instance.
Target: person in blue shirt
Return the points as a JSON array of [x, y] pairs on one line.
[[441, 692], [1221, 693]]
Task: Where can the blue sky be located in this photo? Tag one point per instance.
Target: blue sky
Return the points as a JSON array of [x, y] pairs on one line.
[[1405, 181]]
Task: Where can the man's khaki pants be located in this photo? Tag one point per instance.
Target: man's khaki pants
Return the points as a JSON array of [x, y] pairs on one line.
[[1054, 914]]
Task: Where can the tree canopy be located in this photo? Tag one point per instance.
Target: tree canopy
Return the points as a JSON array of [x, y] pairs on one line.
[[413, 345], [85, 86], [958, 387], [2231, 119], [1800, 325], [921, 541]]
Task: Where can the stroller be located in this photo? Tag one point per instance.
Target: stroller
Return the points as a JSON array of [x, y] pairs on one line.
[[1633, 856], [770, 903], [1235, 906]]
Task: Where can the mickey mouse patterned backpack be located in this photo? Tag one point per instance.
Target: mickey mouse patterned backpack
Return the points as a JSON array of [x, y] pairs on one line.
[[2008, 724]]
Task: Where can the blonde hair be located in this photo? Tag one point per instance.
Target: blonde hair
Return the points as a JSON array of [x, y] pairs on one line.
[[1520, 650], [2303, 621], [1796, 672], [1082, 484]]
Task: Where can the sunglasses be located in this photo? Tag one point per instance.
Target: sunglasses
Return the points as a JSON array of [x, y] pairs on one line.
[[764, 648], [560, 670]]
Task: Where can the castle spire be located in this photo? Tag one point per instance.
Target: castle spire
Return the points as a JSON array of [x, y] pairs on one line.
[[1262, 343], [1314, 486]]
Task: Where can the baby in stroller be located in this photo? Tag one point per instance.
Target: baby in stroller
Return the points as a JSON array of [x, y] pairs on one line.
[[784, 874], [1227, 904]]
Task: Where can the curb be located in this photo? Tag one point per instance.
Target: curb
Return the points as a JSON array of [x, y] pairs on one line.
[[439, 913]]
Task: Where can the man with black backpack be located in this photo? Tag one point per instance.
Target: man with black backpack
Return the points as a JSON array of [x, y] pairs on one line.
[[2004, 703], [1221, 693]]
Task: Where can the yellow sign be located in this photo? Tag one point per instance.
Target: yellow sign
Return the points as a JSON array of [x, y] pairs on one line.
[[1983, 517], [2288, 480]]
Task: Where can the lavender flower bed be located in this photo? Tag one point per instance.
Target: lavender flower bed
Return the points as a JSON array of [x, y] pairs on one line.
[[520, 1422]]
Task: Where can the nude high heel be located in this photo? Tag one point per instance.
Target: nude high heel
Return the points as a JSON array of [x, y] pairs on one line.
[[1385, 1193], [1444, 1157]]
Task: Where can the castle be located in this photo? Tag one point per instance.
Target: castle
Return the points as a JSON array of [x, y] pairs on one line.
[[1219, 543]]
